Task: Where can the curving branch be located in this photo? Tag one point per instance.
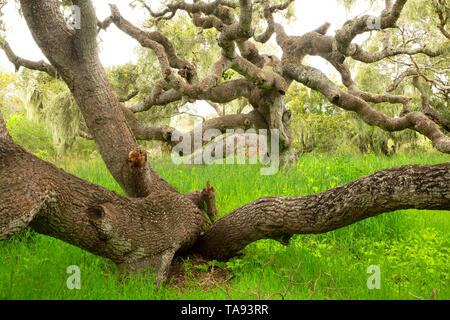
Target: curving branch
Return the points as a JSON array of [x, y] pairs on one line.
[[426, 107], [366, 23], [231, 31], [404, 75], [443, 12], [130, 96], [170, 135], [103, 25], [438, 85], [361, 55], [216, 108], [268, 11], [417, 121], [21, 62], [222, 93], [352, 87]]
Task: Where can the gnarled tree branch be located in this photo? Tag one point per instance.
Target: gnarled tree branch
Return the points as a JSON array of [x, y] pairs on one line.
[[278, 218], [21, 62]]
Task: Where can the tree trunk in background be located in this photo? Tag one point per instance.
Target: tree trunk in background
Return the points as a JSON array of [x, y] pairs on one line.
[[270, 105]]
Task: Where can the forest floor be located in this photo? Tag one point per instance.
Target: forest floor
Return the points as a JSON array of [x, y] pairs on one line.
[[410, 248]]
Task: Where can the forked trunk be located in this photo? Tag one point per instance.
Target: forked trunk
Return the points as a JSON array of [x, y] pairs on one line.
[[133, 232]]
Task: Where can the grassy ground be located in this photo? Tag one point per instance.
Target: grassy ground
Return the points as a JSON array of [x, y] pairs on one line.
[[410, 247]]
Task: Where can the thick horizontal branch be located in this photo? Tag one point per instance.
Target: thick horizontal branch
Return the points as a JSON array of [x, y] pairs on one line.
[[352, 87], [405, 187], [195, 137], [360, 54], [218, 8], [222, 93]]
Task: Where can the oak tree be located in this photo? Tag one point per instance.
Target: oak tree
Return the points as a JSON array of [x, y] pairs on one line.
[[155, 221]]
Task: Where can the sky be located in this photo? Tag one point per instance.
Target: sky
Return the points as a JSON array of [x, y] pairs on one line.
[[118, 48]]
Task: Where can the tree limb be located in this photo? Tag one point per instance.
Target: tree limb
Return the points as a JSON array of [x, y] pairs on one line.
[[316, 80], [410, 186], [352, 28], [21, 62], [427, 109]]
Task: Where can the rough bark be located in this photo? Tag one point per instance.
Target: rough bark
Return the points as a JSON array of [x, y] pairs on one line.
[[74, 55], [135, 233], [427, 109]]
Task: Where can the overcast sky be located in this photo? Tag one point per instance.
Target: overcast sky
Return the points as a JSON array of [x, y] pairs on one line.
[[118, 48]]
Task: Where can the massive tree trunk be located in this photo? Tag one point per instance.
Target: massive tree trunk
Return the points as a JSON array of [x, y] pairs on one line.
[[132, 232], [74, 54]]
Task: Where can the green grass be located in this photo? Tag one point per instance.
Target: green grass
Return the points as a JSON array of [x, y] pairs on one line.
[[411, 247]]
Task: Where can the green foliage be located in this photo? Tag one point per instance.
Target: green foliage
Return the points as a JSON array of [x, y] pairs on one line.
[[228, 75], [30, 135], [48, 100], [123, 79], [317, 124], [419, 256]]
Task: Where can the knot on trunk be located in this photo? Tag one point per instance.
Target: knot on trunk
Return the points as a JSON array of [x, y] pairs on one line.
[[100, 218], [137, 158]]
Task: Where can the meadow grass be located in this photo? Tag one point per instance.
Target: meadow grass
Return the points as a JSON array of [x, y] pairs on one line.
[[411, 247]]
